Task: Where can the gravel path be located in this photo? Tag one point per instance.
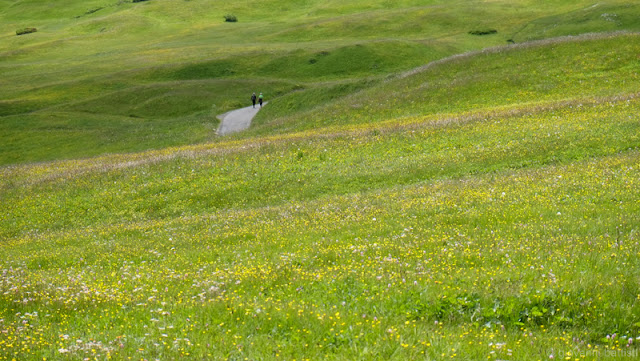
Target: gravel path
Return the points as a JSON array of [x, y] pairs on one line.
[[237, 120]]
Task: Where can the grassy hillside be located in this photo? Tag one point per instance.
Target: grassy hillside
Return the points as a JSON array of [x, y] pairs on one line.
[[518, 76], [411, 191], [159, 71], [478, 238]]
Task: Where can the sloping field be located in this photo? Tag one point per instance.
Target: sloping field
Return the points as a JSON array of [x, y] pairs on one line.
[[437, 206], [492, 236], [107, 76], [536, 74]]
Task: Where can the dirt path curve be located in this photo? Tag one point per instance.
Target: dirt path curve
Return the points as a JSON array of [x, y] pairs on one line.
[[237, 120]]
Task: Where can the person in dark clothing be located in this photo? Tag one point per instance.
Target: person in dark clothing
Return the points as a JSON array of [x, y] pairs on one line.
[[253, 99], [260, 100]]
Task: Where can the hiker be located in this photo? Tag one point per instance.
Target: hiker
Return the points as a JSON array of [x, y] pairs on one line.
[[260, 100], [253, 99]]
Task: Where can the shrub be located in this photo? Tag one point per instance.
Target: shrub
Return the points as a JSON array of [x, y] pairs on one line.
[[483, 32], [138, 1], [91, 11], [230, 18], [26, 31]]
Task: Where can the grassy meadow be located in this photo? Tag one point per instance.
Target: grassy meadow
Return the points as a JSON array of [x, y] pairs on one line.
[[107, 76], [411, 192]]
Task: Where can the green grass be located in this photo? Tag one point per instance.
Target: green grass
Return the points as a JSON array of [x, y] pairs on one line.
[[599, 17], [520, 76], [102, 57], [410, 192], [132, 119], [312, 168], [395, 245]]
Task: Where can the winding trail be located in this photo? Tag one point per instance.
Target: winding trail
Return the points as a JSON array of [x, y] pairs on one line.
[[237, 120]]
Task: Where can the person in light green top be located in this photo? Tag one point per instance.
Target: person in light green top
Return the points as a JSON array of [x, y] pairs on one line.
[[260, 99]]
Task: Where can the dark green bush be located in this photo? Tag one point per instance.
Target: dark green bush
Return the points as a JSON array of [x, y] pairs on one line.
[[138, 1], [483, 32], [26, 31], [94, 10], [230, 18]]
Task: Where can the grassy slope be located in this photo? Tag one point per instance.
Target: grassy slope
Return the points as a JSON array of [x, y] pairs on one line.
[[139, 61], [418, 236], [497, 219], [314, 167], [533, 75], [393, 245]]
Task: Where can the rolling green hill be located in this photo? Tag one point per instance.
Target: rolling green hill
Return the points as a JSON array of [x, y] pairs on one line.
[[411, 192], [527, 76], [157, 72]]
